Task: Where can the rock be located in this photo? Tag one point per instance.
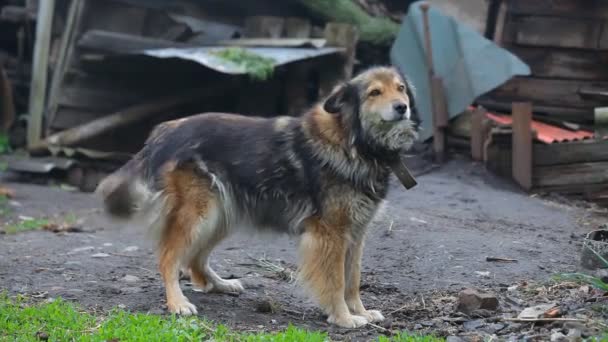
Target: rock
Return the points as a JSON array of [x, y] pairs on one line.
[[265, 306], [417, 326], [473, 325], [42, 336], [107, 244], [130, 279], [100, 255], [131, 290], [130, 249], [81, 249], [558, 337], [574, 335], [470, 300], [602, 274], [536, 311], [454, 339]]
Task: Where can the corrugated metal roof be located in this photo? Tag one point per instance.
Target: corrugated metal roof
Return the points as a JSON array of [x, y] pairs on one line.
[[206, 56], [546, 133]]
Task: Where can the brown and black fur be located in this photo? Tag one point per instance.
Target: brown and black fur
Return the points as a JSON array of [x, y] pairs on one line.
[[320, 177]]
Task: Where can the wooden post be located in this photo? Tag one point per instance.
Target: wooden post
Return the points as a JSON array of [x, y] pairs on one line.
[[477, 133], [264, 27], [7, 104], [522, 144], [296, 78], [37, 100], [297, 28], [438, 98], [344, 36]]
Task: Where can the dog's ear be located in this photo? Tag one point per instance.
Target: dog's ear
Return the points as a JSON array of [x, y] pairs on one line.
[[342, 94]]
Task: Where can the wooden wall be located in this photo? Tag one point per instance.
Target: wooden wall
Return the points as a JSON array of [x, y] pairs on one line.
[[565, 43]]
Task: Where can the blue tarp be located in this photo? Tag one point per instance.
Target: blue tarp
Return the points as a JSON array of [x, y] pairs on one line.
[[469, 64]]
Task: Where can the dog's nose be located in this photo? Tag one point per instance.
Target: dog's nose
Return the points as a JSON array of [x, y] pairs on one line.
[[400, 108]]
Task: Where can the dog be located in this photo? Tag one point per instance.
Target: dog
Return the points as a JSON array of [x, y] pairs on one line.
[[320, 177]]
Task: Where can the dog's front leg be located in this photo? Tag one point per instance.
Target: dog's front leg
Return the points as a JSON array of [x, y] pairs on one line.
[[323, 253], [352, 269]]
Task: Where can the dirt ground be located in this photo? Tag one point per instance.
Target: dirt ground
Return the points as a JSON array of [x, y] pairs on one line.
[[430, 243]]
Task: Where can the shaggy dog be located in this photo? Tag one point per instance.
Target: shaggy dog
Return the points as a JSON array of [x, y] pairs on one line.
[[320, 177]]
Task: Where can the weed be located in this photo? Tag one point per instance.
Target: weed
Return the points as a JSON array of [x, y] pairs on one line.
[[259, 68], [5, 146], [25, 225]]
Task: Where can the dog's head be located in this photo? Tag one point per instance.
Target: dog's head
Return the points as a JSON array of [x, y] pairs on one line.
[[377, 107]]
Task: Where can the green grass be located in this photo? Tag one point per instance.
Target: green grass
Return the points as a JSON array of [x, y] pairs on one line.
[[5, 146], [4, 208], [257, 67], [60, 320], [25, 225], [584, 278]]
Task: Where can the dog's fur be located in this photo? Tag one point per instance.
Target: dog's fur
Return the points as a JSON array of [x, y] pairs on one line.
[[320, 177]]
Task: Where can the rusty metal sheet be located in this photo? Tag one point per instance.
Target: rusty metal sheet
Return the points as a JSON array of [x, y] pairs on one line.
[[545, 133]]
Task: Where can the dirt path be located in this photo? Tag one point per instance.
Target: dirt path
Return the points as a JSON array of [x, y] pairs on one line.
[[431, 241]]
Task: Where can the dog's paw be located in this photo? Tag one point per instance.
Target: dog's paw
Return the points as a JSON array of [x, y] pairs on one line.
[[228, 286], [182, 307], [348, 321], [373, 315]]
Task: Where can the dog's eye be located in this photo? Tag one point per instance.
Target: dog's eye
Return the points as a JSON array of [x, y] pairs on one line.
[[374, 92], [401, 87]]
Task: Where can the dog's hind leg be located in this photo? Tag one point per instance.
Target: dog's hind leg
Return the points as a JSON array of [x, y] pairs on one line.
[[203, 276], [323, 253], [192, 213], [352, 269]]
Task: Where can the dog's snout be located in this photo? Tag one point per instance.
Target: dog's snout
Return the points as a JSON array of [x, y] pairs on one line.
[[400, 108]]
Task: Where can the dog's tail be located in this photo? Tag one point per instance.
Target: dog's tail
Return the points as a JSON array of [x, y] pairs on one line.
[[124, 192]]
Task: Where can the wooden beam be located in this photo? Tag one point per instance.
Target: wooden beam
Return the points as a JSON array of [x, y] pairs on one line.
[[571, 153], [122, 118], [564, 32], [38, 88], [522, 144], [571, 174], [65, 58], [564, 63], [264, 27]]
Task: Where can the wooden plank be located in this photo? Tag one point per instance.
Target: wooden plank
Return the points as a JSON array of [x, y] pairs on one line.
[[564, 63], [297, 27], [522, 144], [264, 27], [578, 115], [550, 92], [571, 174], [65, 58], [570, 153], [115, 17], [40, 71], [120, 42], [102, 100], [591, 9], [563, 32]]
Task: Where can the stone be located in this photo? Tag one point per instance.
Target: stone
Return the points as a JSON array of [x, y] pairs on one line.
[[100, 255], [558, 337], [473, 325], [454, 339], [470, 300], [130, 279], [131, 249], [81, 249]]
